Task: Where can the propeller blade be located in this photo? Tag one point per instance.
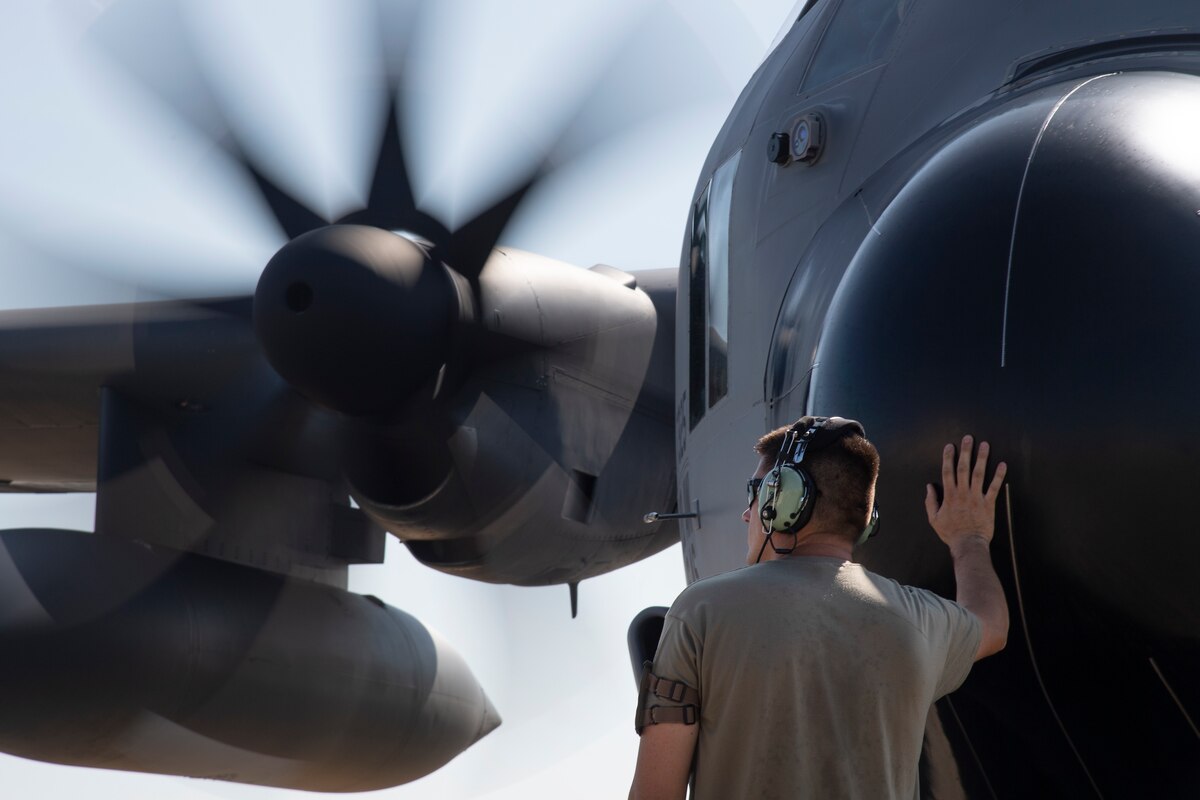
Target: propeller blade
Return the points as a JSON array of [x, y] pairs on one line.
[[396, 23], [103, 182], [391, 204], [50, 281], [391, 192], [150, 40], [631, 97], [639, 80], [301, 88], [622, 86], [325, 120], [391, 201], [293, 216], [471, 244]]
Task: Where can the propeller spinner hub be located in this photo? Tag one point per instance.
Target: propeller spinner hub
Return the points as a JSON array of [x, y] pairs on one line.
[[354, 317]]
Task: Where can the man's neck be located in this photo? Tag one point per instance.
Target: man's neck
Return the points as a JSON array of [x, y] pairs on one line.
[[819, 543], [830, 549]]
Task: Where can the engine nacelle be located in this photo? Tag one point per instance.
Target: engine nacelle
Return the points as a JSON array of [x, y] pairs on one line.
[[514, 427], [125, 656], [558, 434]]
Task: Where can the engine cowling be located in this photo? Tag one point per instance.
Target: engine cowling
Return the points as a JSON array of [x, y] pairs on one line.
[[558, 437], [512, 428], [131, 657]]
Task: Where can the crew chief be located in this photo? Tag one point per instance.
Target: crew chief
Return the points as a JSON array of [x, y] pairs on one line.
[[805, 675]]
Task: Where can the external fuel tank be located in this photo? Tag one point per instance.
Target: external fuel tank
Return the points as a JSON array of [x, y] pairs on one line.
[[127, 656]]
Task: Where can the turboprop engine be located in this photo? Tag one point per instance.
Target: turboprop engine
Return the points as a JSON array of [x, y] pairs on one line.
[[504, 425]]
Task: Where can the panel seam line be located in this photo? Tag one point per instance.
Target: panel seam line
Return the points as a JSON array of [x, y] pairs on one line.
[[1012, 244], [1037, 673]]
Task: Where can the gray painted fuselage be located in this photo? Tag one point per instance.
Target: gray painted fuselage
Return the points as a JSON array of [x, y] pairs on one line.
[[996, 238]]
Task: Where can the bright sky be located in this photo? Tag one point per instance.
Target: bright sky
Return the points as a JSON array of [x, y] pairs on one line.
[[104, 195]]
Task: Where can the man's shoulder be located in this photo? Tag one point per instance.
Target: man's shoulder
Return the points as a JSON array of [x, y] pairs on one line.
[[714, 588], [748, 585], [717, 584], [893, 586], [915, 602]]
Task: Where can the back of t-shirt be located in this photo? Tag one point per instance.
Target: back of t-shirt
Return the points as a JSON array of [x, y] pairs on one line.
[[815, 677]]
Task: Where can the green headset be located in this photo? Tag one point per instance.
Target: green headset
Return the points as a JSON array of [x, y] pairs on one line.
[[788, 494]]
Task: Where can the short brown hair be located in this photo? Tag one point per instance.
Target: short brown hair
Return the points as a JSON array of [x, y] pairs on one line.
[[844, 472]]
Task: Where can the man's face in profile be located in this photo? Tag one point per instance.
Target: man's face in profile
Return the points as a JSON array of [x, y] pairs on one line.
[[754, 531]]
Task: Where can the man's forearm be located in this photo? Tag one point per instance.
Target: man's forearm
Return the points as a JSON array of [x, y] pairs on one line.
[[980, 592]]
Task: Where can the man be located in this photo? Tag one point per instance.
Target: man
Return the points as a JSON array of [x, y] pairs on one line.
[[812, 677]]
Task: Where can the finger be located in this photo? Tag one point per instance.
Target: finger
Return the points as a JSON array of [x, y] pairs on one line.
[[980, 465], [964, 460], [997, 479], [948, 466], [931, 503]]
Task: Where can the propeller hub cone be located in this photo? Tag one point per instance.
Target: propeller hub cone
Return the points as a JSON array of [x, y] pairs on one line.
[[354, 317]]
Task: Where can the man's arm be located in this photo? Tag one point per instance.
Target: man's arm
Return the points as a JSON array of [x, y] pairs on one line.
[[664, 762], [965, 521]]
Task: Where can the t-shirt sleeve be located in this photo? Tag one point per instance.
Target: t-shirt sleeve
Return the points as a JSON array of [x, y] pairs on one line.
[[678, 654], [953, 634], [676, 666]]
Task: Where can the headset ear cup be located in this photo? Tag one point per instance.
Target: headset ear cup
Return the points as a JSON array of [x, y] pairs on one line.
[[793, 500], [871, 529], [766, 499]]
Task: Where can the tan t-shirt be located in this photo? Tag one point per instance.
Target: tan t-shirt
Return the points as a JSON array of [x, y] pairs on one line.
[[815, 678]]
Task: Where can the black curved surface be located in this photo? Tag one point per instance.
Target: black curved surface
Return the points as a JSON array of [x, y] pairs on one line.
[[1034, 284], [355, 317], [642, 638]]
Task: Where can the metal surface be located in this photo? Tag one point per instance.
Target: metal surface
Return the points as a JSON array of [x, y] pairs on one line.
[[127, 656], [506, 415], [998, 238]]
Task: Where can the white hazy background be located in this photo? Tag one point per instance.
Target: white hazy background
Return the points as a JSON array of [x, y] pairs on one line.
[[106, 195]]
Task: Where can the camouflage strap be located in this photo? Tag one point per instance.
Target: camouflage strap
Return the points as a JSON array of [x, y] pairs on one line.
[[686, 701]]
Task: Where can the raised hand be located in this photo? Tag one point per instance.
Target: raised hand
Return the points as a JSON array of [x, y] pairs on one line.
[[966, 509]]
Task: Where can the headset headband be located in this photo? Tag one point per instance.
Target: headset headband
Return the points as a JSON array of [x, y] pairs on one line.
[[815, 433]]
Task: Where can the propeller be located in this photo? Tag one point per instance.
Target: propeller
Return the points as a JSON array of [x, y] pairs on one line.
[[340, 273], [334, 267], [185, 65], [252, 188]]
